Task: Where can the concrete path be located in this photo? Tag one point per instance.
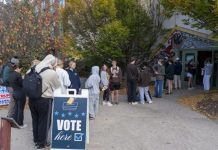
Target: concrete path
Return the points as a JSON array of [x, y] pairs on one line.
[[163, 125]]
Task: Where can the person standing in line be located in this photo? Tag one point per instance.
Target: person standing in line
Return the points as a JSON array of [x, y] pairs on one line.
[[115, 82], [74, 76], [132, 76], [7, 70], [16, 82], [143, 83], [41, 108], [169, 76], [105, 83], [1, 71], [208, 67], [159, 71], [63, 77], [190, 74], [92, 84], [177, 74]]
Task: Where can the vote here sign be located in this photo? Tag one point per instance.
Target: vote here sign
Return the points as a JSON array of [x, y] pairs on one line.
[[69, 124]]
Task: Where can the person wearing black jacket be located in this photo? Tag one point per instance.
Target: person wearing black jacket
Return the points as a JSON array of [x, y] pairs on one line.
[[16, 82], [177, 74], [132, 76], [169, 76]]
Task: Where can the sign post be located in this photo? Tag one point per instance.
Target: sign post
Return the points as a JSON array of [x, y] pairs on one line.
[[70, 120], [4, 96]]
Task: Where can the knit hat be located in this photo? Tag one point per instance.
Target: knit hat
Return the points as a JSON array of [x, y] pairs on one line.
[[14, 61]]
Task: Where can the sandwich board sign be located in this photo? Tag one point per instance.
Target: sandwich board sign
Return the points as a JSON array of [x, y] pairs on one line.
[[70, 119], [4, 96]]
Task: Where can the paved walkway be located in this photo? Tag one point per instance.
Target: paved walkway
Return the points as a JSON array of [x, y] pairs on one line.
[[163, 125]]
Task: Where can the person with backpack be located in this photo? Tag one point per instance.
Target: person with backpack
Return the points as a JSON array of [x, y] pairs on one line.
[[16, 82], [105, 85], [115, 82], [74, 76], [42, 80], [63, 77], [144, 80], [92, 84]]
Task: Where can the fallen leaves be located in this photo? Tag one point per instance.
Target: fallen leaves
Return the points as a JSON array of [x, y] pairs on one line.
[[206, 103]]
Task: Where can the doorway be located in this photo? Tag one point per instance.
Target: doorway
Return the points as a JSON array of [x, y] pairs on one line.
[[202, 56]]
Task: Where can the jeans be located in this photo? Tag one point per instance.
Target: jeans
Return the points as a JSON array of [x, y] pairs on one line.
[[206, 82], [20, 101], [143, 91], [158, 88], [177, 81], [131, 83], [106, 94], [11, 106], [93, 104], [41, 119]]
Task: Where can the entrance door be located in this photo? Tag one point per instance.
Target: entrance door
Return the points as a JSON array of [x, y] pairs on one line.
[[202, 56]]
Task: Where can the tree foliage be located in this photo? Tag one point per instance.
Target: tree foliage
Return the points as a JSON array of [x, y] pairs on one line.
[[107, 29], [204, 12], [25, 31]]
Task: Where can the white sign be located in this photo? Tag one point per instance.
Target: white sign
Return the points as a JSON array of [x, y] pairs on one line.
[[4, 96]]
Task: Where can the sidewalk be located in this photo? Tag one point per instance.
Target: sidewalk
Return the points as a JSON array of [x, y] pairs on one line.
[[163, 125]]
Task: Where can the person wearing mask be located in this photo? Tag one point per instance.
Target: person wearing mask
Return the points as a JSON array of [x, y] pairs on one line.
[[92, 84], [132, 76], [144, 80], [74, 76], [115, 82], [7, 70], [177, 74], [159, 71], [16, 82], [41, 108], [169, 76], [63, 77], [105, 83], [208, 67]]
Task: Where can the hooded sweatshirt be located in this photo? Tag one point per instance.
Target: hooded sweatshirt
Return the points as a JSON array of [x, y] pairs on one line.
[[50, 80], [92, 83]]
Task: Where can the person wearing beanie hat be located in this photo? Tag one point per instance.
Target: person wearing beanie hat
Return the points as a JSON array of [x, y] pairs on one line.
[[7, 70]]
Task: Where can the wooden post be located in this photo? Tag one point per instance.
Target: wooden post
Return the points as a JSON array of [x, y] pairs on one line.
[[5, 135]]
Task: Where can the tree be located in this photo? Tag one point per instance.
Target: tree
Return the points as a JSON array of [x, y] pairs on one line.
[[204, 12], [110, 28], [24, 31]]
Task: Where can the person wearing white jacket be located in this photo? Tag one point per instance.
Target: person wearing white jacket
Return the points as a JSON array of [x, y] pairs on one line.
[[92, 84], [63, 77]]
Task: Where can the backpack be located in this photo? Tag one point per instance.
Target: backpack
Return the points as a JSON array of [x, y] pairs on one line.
[[32, 83]]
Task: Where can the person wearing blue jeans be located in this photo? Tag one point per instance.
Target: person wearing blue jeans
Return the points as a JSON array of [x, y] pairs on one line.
[[159, 71], [144, 80], [158, 88]]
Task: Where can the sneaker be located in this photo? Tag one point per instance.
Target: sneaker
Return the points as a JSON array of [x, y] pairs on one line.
[[117, 103], [150, 102], [23, 126], [109, 104], [40, 147], [104, 103], [134, 103]]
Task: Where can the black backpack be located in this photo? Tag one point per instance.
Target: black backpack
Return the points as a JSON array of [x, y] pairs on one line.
[[32, 83]]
